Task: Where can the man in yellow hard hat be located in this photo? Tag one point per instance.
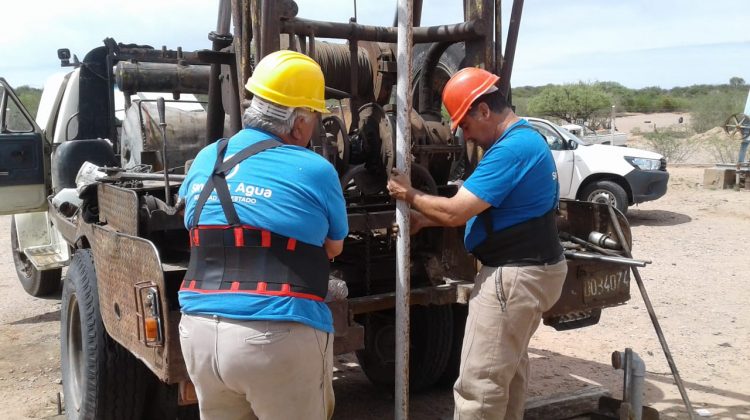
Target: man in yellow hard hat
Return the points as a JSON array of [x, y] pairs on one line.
[[265, 215], [508, 206]]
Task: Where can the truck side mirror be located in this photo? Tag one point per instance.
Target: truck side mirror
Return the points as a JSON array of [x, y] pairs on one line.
[[572, 144], [64, 55]]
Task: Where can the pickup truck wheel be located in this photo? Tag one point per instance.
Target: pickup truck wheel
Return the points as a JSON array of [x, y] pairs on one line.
[[36, 283], [452, 368], [607, 192], [100, 378], [431, 340]]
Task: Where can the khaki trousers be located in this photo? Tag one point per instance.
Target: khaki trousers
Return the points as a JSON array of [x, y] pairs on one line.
[[258, 369], [505, 308]]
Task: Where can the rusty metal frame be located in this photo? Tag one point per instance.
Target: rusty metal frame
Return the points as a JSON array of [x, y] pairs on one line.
[[118, 208], [122, 263]]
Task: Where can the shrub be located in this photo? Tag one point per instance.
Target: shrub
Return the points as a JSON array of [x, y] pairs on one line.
[[724, 149], [673, 144], [713, 109]]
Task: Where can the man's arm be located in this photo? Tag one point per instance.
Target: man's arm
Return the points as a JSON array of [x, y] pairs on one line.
[[453, 211], [333, 200], [443, 211], [333, 248]]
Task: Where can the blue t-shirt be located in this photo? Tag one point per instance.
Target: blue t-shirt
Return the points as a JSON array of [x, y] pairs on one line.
[[288, 190], [517, 176]]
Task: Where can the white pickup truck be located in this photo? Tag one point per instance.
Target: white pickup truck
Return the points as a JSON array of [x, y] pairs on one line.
[[590, 136], [621, 176]]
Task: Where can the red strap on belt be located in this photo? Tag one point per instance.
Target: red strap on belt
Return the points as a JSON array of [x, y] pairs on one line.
[[239, 236], [261, 289]]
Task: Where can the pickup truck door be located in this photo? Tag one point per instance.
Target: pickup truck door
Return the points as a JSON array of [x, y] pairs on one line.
[[24, 157], [564, 157]]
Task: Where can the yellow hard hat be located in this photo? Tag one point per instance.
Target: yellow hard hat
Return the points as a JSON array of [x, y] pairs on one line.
[[290, 79]]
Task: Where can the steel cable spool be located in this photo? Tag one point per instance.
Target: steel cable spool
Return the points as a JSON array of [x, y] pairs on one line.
[[378, 131], [335, 61]]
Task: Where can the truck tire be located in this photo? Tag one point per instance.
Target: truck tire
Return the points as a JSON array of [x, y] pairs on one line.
[[607, 192], [453, 367], [448, 64], [100, 378], [36, 283], [161, 402], [431, 340]]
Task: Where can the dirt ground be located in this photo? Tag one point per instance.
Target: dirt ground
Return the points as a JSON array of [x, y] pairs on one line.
[[648, 122], [697, 284]]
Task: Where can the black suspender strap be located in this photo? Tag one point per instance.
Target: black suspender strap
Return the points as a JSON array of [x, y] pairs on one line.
[[218, 181]]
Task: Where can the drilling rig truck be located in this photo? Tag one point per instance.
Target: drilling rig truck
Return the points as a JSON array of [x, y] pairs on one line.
[[126, 248]]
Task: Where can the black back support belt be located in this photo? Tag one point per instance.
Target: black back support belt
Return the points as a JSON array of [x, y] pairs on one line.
[[245, 259], [532, 242]]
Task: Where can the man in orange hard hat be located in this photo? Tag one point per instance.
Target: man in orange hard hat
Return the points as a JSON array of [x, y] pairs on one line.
[[265, 215], [508, 205]]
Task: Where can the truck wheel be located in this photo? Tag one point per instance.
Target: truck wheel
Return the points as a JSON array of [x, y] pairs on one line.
[[453, 367], [161, 402], [607, 192], [100, 377], [431, 339], [36, 283]]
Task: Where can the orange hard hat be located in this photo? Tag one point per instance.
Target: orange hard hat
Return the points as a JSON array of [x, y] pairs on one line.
[[463, 89]]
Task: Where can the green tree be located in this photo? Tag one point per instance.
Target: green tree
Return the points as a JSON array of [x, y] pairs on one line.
[[571, 102], [736, 82]]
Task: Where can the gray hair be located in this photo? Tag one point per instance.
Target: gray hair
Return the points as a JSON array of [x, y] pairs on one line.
[[273, 118]]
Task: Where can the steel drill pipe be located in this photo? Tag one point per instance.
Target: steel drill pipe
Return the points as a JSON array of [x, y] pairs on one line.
[[404, 56], [457, 32]]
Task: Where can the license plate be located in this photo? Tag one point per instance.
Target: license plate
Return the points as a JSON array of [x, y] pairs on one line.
[[604, 285]]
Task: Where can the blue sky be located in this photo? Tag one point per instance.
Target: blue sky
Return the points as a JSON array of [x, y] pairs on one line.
[[634, 42]]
